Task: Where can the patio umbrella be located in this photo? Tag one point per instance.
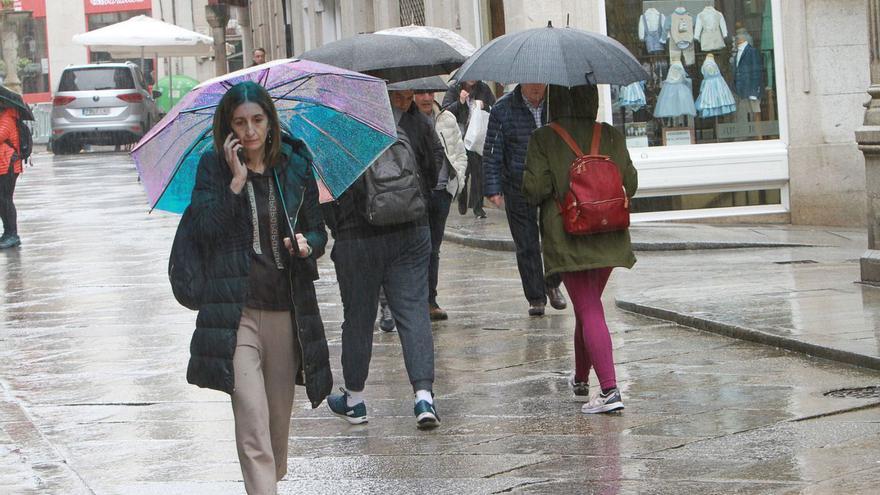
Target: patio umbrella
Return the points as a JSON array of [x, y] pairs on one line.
[[343, 117], [13, 99], [132, 37], [562, 56], [173, 89], [432, 83], [451, 38], [393, 58]]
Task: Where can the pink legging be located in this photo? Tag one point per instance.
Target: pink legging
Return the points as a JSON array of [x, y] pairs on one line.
[[592, 342]]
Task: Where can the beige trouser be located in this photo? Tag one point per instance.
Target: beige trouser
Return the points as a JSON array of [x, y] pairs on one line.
[[265, 364]]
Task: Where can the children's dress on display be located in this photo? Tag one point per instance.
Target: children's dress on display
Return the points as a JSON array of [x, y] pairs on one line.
[[715, 96], [632, 96], [677, 95]]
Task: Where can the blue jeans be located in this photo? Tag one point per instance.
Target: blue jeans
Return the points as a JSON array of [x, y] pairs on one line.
[[399, 263], [523, 221], [438, 210]]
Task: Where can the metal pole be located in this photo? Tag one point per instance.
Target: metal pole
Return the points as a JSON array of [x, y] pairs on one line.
[[868, 138]]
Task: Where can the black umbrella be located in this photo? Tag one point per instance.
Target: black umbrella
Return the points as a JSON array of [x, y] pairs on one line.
[[393, 58], [13, 99], [562, 56], [432, 83]]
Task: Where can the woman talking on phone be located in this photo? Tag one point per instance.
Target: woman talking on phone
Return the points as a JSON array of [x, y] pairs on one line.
[[258, 331]]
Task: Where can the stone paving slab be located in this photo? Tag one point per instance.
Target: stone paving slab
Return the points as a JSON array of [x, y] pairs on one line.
[[780, 285]]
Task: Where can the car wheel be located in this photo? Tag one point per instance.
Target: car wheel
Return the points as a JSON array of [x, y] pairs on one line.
[[60, 146]]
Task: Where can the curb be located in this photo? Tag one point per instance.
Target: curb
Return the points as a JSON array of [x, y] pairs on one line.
[[751, 335], [507, 244]]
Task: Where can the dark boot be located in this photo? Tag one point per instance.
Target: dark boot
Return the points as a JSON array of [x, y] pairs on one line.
[[10, 241]]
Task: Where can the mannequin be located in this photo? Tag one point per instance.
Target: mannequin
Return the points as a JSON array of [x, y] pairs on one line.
[[710, 29], [715, 98], [652, 30], [681, 36], [748, 74]]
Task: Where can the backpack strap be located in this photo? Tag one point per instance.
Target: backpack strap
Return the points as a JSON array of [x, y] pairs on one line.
[[594, 146], [567, 138]]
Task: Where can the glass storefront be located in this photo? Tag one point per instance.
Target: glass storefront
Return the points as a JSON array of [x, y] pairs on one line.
[[711, 66], [32, 62]]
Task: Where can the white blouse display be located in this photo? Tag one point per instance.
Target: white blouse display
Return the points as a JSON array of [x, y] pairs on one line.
[[710, 29]]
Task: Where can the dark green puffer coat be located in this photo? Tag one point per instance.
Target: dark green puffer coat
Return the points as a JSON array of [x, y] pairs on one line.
[[222, 221]]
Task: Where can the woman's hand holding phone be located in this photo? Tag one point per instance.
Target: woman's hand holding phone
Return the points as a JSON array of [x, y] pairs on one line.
[[234, 154]]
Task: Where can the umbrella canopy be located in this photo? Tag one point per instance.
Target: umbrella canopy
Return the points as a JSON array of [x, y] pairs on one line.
[[133, 37], [393, 58], [13, 99], [451, 38], [432, 83], [344, 118], [562, 56], [173, 89]]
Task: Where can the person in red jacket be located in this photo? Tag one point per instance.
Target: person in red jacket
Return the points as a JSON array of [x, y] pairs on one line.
[[10, 169]]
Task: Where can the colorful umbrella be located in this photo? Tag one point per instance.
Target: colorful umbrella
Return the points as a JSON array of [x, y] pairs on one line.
[[180, 86], [344, 118]]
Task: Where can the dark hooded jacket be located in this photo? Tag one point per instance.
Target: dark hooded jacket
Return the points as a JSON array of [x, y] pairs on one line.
[[222, 221], [546, 178]]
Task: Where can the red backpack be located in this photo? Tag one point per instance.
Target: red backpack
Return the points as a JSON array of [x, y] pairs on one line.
[[596, 200]]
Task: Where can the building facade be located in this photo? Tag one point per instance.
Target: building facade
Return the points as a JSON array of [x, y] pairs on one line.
[[784, 151]]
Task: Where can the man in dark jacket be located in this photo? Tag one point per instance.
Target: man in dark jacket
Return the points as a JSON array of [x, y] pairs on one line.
[[511, 123], [394, 257], [458, 101]]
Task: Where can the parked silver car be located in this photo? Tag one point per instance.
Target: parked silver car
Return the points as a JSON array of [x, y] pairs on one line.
[[104, 104]]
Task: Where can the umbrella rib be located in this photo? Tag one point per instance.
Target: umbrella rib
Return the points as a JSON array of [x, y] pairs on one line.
[[334, 141]]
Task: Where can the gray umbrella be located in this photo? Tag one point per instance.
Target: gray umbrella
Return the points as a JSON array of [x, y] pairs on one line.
[[432, 83], [394, 58], [563, 56]]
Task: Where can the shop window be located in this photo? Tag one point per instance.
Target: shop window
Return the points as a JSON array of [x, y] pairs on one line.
[[32, 63], [707, 201], [712, 76]]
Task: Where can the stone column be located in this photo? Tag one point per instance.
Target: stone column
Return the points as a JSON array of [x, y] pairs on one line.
[[243, 16], [218, 17], [868, 137], [10, 23]]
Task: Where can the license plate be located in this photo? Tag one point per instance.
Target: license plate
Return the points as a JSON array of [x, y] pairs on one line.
[[96, 111]]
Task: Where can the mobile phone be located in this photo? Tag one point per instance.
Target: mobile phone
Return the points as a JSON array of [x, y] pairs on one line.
[[240, 153]]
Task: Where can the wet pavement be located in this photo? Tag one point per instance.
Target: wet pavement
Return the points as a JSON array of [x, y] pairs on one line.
[[93, 352]]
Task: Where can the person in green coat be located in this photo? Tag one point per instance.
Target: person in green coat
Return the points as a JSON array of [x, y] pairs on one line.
[[583, 261]]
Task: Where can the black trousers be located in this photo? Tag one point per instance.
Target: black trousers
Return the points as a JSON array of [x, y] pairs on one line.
[[7, 207], [523, 221]]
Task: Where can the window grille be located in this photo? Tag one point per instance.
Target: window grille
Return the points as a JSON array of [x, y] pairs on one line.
[[412, 12]]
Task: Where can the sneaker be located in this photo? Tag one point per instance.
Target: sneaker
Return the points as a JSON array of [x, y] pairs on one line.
[[437, 313], [603, 403], [536, 309], [10, 241], [581, 389], [426, 415], [386, 321], [557, 300], [355, 415], [481, 213]]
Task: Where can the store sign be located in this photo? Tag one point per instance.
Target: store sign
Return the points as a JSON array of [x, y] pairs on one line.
[[104, 6], [678, 136], [747, 129]]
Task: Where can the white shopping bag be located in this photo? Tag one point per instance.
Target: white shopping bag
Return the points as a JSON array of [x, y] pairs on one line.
[[475, 137]]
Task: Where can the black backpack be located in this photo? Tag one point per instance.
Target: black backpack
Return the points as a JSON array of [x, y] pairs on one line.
[[393, 188], [25, 142], [186, 269]]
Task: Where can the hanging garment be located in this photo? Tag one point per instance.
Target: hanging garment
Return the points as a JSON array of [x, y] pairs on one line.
[[632, 96], [748, 78], [715, 97], [652, 31], [681, 36], [677, 95], [710, 29]]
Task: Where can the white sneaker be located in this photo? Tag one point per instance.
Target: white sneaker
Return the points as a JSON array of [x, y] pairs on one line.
[[603, 403]]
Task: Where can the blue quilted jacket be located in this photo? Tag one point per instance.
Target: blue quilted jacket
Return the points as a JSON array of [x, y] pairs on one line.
[[510, 126]]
